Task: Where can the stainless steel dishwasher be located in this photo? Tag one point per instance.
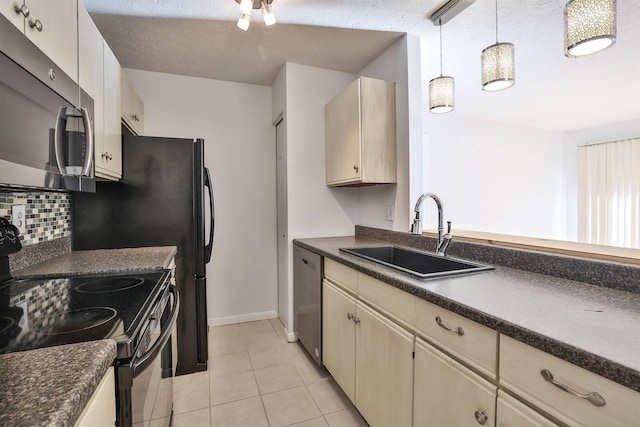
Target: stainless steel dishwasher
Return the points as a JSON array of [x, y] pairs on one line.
[[307, 300]]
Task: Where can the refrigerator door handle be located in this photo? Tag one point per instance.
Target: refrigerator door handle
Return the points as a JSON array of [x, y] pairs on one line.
[[209, 246]]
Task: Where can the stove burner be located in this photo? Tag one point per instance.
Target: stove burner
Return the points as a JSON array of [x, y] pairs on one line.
[[109, 284], [6, 323], [77, 320]]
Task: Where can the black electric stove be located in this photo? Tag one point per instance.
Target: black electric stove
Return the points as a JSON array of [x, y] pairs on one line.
[[37, 313]]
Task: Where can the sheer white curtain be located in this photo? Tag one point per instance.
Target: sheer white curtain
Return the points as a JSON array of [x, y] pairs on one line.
[[609, 193]]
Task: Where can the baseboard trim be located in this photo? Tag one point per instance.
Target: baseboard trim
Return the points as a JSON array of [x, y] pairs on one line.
[[290, 336], [249, 317]]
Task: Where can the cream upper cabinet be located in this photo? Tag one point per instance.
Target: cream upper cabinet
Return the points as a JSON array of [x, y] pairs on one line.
[[384, 370], [50, 25], [360, 134], [110, 166], [132, 106], [99, 76], [8, 10], [338, 337], [448, 394]]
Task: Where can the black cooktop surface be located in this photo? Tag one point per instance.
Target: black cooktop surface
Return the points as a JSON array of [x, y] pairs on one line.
[[37, 313]]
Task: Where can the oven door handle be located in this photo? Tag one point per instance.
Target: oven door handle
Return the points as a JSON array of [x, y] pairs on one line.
[[145, 360]]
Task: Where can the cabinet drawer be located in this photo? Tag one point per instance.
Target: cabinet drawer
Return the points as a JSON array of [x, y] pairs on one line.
[[395, 303], [520, 370], [469, 341], [512, 413], [341, 274]]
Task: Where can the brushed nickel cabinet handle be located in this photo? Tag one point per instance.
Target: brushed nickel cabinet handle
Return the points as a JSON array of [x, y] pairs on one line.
[[36, 24], [481, 417], [356, 320], [595, 398], [350, 316], [24, 10], [355, 168], [457, 330]]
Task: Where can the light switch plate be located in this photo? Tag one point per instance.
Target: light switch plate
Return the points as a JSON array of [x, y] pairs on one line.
[[18, 217], [388, 213]]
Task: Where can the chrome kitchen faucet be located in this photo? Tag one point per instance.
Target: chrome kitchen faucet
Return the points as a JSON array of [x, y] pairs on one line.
[[416, 227]]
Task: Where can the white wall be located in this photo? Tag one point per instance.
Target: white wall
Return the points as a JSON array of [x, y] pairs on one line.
[[235, 121], [495, 177], [399, 63], [313, 209]]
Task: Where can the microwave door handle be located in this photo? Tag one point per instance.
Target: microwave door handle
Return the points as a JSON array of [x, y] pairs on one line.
[[88, 130], [209, 247], [58, 140], [146, 359]]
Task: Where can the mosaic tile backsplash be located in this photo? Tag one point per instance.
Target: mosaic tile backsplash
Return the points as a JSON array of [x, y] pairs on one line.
[[48, 214]]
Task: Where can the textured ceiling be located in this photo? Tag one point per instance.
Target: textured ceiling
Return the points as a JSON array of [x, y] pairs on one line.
[[199, 38]]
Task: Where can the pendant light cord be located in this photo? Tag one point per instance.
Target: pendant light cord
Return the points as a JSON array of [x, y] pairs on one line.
[[440, 22], [496, 21]]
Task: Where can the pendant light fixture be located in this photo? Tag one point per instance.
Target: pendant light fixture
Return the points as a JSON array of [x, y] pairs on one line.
[[498, 64], [441, 89], [246, 6], [589, 26]]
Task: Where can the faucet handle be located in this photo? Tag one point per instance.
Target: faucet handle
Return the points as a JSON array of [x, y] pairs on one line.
[[448, 227]]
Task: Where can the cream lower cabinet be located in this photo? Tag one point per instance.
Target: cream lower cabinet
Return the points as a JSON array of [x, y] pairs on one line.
[[101, 409], [512, 413], [448, 394], [339, 337], [370, 357], [384, 369]]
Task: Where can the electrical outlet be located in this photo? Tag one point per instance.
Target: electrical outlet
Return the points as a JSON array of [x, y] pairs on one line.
[[18, 217], [388, 213]]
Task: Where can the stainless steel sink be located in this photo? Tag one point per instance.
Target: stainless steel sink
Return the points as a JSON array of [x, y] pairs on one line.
[[417, 263]]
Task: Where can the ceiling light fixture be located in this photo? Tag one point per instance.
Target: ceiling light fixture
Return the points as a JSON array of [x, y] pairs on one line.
[[441, 89], [244, 21], [246, 6], [498, 64], [267, 14], [589, 26]]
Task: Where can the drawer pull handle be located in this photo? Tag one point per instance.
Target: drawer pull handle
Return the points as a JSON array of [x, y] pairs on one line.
[[592, 397], [457, 330], [481, 417]]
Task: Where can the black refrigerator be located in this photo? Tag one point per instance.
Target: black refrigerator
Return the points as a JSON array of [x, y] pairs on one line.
[[160, 201]]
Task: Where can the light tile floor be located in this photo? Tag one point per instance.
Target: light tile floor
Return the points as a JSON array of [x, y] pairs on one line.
[[257, 379]]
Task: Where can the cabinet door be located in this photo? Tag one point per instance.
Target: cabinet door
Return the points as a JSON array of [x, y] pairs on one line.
[[338, 337], [448, 394], [57, 33], [342, 136], [101, 409], [511, 413], [90, 76], [384, 370], [8, 10], [112, 112]]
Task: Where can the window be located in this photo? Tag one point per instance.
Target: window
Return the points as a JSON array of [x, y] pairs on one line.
[[609, 193]]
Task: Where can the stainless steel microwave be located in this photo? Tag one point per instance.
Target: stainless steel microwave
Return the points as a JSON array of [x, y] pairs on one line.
[[46, 126]]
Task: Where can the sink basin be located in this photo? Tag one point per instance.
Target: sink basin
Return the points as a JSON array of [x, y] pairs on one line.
[[417, 263]]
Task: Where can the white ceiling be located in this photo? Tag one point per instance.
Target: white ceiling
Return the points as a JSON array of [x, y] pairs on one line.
[[199, 38]]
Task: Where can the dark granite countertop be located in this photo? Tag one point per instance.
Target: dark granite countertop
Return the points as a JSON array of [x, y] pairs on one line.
[[101, 261], [590, 326], [51, 386]]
